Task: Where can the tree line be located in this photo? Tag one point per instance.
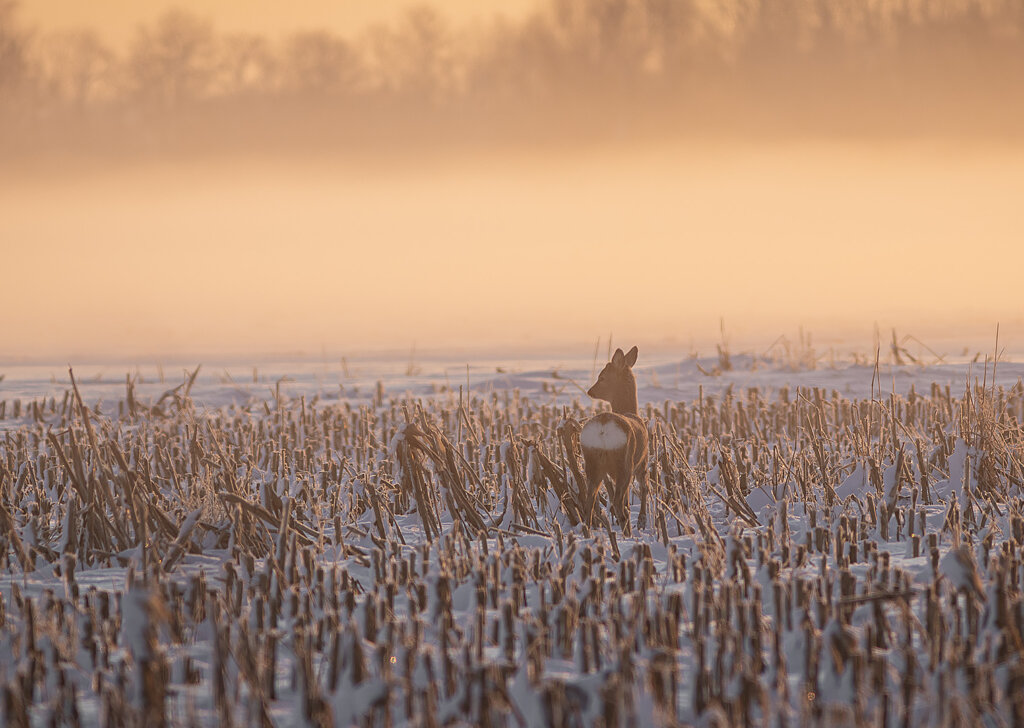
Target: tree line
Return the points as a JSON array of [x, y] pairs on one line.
[[682, 64]]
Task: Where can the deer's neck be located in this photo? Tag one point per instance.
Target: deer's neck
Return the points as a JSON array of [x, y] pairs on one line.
[[625, 403]]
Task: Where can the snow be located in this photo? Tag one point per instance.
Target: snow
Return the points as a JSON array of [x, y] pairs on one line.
[[554, 381], [606, 577], [958, 566]]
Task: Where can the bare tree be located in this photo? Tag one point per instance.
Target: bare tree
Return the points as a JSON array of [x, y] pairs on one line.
[[246, 66], [514, 63], [417, 59], [570, 64], [318, 63], [13, 52], [76, 69], [172, 62]]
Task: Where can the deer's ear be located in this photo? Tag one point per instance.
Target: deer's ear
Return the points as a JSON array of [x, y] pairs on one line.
[[631, 357], [618, 358]]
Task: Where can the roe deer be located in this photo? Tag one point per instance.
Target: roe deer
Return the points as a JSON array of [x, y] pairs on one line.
[[614, 443]]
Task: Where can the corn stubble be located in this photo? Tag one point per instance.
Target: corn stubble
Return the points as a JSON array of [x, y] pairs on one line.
[[423, 562]]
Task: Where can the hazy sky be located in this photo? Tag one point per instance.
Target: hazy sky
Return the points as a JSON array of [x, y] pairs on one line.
[[118, 19], [467, 246], [504, 249]]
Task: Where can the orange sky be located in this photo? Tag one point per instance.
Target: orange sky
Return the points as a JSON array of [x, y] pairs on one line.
[[648, 241], [117, 19]]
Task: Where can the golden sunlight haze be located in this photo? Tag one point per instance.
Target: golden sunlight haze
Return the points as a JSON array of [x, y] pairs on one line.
[[120, 19], [642, 242], [243, 177]]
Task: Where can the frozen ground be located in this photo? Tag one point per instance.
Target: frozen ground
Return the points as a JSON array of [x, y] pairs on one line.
[[756, 591], [679, 379]]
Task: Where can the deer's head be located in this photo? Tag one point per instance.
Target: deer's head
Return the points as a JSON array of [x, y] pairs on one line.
[[616, 383]]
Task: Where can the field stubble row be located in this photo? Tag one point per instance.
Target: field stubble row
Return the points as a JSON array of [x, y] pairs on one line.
[[807, 557]]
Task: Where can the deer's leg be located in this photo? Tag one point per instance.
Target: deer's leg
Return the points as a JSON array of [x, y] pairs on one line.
[[595, 474], [619, 500]]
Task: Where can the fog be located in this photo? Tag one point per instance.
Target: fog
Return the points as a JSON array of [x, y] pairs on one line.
[[260, 256], [560, 184]]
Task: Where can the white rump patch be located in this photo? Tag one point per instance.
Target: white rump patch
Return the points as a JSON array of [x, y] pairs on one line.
[[603, 435]]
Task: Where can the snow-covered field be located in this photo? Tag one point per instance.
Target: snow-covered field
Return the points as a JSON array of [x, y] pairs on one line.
[[397, 542]]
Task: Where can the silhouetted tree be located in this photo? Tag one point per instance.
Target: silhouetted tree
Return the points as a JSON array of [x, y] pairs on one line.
[[77, 69], [619, 43], [318, 63], [674, 29], [13, 52], [416, 59], [172, 62], [571, 62], [774, 34], [515, 63], [246, 66]]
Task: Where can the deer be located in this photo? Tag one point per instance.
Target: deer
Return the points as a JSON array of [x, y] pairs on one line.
[[614, 443]]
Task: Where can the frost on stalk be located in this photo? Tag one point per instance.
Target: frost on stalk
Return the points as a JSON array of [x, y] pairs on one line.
[[142, 612]]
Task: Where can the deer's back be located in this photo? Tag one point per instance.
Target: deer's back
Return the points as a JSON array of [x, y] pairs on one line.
[[611, 433]]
